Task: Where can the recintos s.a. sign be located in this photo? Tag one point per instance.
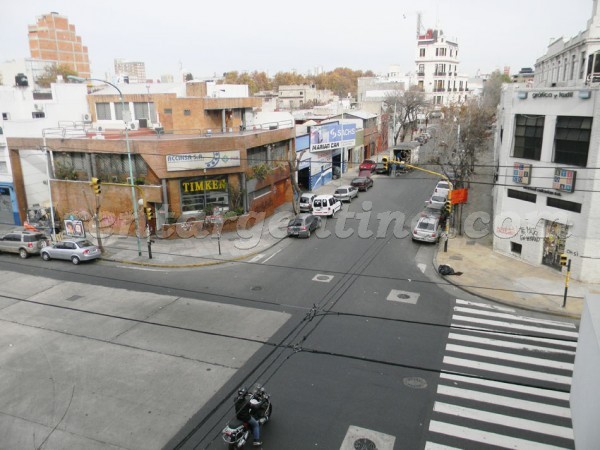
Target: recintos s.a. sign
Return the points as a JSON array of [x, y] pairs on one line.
[[208, 160]]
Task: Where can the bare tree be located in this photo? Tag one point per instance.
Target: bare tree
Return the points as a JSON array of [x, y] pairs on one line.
[[403, 107]]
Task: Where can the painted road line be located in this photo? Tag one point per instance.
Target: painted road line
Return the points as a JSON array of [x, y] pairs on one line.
[[511, 402], [509, 357], [495, 332], [549, 393], [257, 258], [484, 305], [486, 437], [434, 446], [506, 344], [272, 256], [516, 326], [495, 368], [479, 312], [501, 419]]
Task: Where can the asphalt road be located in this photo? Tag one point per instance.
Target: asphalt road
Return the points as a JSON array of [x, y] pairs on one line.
[[348, 331]]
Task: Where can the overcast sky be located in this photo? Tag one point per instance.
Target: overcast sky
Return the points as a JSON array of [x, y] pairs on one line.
[[208, 38]]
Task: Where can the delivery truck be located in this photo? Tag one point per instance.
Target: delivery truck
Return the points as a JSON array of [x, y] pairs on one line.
[[401, 155]]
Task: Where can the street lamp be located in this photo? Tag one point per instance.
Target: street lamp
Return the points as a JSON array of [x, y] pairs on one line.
[[133, 199]]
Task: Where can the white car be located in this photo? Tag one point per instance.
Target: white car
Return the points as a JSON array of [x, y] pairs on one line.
[[326, 205], [436, 200], [427, 229], [346, 193], [442, 188]]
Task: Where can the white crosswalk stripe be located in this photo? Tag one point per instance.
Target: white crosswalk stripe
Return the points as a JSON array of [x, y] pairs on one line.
[[505, 381]]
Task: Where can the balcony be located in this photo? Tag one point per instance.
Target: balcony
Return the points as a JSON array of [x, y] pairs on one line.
[[440, 74], [439, 90], [420, 74]]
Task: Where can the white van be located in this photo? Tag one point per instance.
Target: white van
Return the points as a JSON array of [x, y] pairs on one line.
[[326, 205]]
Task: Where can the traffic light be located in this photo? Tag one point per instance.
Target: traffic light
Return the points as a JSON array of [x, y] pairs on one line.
[[96, 185], [563, 259], [448, 207], [148, 211], [450, 196]]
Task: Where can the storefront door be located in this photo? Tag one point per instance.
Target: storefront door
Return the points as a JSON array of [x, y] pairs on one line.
[[555, 237]]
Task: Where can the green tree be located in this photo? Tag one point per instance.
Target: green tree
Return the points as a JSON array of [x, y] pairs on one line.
[[51, 73]]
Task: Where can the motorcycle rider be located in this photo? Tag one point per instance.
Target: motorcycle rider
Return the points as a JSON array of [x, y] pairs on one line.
[[245, 409]]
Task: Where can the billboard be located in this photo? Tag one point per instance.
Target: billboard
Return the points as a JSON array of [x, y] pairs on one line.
[[332, 136], [208, 160]]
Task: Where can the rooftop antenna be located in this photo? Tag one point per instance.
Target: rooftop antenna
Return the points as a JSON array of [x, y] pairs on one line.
[[419, 25]]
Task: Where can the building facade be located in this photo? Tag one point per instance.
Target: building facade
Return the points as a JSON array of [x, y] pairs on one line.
[[130, 71], [547, 199], [437, 67], [53, 38]]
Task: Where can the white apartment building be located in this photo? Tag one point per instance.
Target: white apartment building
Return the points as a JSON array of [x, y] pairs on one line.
[[437, 66], [297, 96], [130, 71], [547, 197]]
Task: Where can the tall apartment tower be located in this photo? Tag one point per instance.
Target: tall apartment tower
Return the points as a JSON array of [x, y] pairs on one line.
[[437, 69], [52, 38], [135, 71]]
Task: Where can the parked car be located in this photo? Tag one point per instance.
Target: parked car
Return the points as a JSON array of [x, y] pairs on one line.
[[346, 193], [305, 202], [303, 225], [381, 168], [367, 164], [24, 243], [362, 183], [427, 229], [326, 205], [442, 188], [437, 200], [75, 250], [365, 173]]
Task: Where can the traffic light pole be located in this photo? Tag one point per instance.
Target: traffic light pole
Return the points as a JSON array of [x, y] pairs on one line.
[[567, 282]]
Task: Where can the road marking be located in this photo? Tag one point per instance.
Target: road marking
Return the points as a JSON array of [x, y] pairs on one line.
[[509, 421], [380, 441], [484, 305], [485, 437], [506, 344], [322, 278], [495, 332], [508, 370], [422, 267], [509, 357], [517, 326], [434, 446], [257, 258], [403, 296], [515, 317], [511, 402], [148, 269], [272, 256], [508, 386]]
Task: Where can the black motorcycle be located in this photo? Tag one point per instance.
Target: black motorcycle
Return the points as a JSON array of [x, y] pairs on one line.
[[237, 432]]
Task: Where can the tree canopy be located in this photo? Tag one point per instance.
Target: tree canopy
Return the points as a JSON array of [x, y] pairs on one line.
[[51, 73], [403, 107]]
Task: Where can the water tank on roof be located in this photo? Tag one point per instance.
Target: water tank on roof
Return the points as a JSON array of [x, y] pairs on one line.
[[21, 79]]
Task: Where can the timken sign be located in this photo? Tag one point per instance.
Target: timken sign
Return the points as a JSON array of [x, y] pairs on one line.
[[204, 185], [208, 160]]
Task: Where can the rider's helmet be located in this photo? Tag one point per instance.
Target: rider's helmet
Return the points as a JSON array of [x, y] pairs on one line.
[[242, 392], [254, 402]]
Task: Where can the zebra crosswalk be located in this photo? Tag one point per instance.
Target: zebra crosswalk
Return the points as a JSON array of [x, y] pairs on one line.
[[505, 381]]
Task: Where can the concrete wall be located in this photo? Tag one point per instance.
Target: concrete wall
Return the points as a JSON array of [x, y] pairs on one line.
[[585, 389]]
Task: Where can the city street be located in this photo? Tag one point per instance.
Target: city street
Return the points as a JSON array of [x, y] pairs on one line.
[[354, 335]]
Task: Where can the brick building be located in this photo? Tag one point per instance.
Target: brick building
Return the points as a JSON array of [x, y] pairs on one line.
[[53, 38]]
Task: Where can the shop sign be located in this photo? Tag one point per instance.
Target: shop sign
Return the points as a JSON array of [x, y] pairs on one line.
[[332, 136], [564, 180], [208, 160], [522, 173], [204, 185]]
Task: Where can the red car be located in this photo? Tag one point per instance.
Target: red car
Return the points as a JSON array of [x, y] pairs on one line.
[[368, 164]]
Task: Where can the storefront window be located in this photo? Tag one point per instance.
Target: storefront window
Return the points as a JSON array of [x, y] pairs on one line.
[[197, 193]]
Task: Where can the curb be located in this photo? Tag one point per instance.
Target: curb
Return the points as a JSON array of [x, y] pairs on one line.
[[502, 301], [191, 265]]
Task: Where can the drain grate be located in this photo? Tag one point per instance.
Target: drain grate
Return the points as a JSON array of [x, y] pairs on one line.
[[72, 298], [364, 444]]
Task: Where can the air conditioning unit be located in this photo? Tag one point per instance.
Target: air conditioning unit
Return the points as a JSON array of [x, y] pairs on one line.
[[99, 128], [133, 125], [86, 117]]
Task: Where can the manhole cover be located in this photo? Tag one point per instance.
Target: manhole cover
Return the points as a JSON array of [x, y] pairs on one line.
[[72, 298], [402, 296], [364, 444], [415, 382], [257, 288]]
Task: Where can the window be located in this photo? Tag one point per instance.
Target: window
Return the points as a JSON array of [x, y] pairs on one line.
[[3, 168], [187, 112], [168, 111], [421, 52], [582, 65], [572, 140], [38, 114], [528, 136], [522, 195], [144, 110], [102, 111], [5, 116], [256, 156], [563, 204], [573, 64], [421, 69], [516, 248], [119, 111]]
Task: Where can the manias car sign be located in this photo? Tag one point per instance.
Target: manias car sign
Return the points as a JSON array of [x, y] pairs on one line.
[[331, 136]]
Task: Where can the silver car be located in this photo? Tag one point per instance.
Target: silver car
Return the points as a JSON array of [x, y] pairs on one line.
[[427, 229], [305, 202], [24, 243], [76, 250], [346, 193]]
